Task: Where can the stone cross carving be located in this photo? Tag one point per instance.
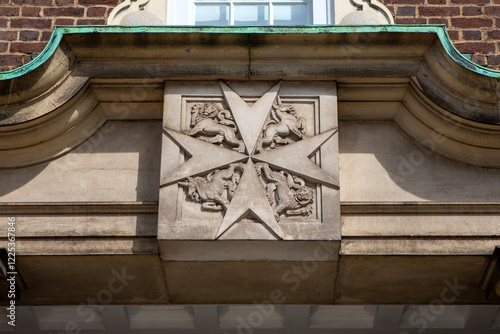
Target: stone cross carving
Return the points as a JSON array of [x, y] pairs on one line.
[[253, 160]]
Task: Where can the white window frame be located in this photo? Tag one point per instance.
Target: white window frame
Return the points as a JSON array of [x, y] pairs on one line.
[[182, 12]]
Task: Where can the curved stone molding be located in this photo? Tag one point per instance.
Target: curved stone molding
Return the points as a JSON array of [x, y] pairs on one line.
[[44, 84], [446, 134], [441, 131], [61, 128], [52, 134]]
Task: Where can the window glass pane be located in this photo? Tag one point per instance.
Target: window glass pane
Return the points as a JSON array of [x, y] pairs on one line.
[[290, 14], [251, 14], [213, 15]]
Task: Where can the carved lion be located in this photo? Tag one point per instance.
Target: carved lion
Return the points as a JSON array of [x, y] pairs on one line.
[[214, 125]]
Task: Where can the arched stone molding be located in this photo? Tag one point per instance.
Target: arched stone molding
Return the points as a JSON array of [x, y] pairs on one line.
[[60, 130], [441, 132], [40, 86]]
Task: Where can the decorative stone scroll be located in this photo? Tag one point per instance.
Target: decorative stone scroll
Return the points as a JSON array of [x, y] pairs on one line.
[[358, 12], [249, 161]]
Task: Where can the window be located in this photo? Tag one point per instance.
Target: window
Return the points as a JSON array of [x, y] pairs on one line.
[[244, 13], [249, 12]]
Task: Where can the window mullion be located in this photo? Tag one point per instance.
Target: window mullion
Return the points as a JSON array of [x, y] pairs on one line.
[[271, 13], [231, 13]]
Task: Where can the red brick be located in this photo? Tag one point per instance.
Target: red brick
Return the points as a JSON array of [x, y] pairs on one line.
[[4, 46], [90, 22], [439, 11], [8, 35], [469, 35], [4, 2], [26, 59], [435, 20], [436, 2], [494, 34], [493, 60], [27, 47], [454, 35], [492, 10], [461, 22], [65, 2], [31, 11], [472, 11], [468, 2], [45, 35], [406, 11], [391, 9], [471, 47], [96, 11], [31, 23], [28, 35], [10, 60], [64, 22], [9, 11], [3, 22], [404, 2], [64, 11], [478, 59], [408, 20], [32, 2], [98, 2]]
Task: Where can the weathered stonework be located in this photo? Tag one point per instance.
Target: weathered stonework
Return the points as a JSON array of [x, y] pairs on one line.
[[85, 172], [254, 161]]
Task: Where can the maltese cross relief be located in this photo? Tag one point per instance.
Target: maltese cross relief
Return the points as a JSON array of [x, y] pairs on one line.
[[253, 162]]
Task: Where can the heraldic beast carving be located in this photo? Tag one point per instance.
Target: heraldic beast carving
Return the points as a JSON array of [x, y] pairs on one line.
[[209, 190], [286, 193], [284, 122], [214, 125]]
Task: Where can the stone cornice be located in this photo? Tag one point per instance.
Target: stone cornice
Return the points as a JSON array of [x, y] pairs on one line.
[[83, 71]]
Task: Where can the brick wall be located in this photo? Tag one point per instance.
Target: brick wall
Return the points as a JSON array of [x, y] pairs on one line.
[[26, 25], [473, 25]]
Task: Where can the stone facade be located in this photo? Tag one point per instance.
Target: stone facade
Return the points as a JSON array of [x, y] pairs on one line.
[[357, 167], [363, 153]]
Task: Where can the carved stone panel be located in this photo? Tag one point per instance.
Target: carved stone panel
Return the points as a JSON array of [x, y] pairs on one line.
[[246, 160]]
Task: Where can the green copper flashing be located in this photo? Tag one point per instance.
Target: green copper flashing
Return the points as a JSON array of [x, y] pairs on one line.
[[60, 31]]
